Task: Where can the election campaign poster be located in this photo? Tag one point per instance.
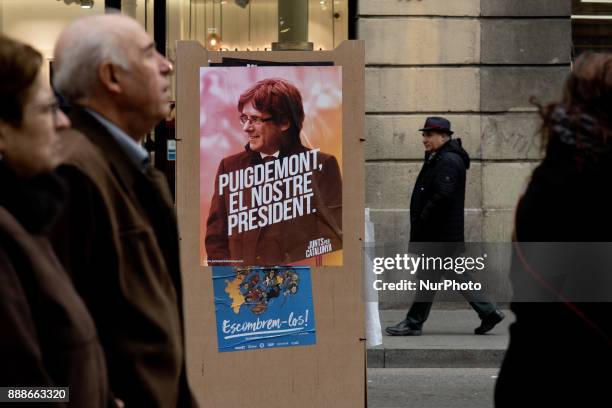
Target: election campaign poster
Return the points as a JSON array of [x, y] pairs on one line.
[[271, 166], [263, 307]]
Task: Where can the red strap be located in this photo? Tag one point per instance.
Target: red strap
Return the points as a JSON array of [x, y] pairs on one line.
[[575, 309]]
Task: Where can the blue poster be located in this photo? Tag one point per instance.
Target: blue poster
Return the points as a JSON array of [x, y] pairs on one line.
[[263, 307]]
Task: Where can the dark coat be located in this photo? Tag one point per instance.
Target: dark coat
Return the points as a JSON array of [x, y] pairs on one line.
[[286, 241], [118, 240], [558, 350], [438, 198], [48, 337]]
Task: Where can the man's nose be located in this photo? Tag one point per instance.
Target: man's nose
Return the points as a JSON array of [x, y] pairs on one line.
[[61, 121], [165, 66]]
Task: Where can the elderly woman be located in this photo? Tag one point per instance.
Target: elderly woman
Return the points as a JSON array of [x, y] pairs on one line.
[[560, 351], [47, 337]]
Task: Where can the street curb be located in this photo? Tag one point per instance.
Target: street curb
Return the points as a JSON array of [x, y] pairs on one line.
[[434, 358]]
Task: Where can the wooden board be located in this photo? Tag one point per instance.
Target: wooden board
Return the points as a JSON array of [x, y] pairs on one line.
[[331, 373]]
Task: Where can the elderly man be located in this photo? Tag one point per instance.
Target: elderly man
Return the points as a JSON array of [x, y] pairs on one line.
[[271, 114], [437, 216], [118, 237]]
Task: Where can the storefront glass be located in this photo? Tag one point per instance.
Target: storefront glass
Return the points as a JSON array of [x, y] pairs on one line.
[[591, 26], [251, 24], [39, 22]]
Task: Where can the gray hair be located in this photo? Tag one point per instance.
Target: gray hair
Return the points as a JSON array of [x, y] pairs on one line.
[[75, 76]]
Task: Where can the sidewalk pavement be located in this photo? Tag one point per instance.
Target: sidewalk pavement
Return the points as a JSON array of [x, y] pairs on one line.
[[447, 341]]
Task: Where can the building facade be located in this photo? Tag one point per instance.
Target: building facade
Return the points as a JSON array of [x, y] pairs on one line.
[[478, 63]]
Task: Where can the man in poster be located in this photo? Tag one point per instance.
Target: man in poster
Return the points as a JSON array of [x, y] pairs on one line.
[[277, 201]]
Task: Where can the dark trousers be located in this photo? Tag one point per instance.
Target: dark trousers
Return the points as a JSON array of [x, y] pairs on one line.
[[419, 311]]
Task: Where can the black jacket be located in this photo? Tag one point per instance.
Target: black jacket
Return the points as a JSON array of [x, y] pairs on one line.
[[557, 350], [437, 202]]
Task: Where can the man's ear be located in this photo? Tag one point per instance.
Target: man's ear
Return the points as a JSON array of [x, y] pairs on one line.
[[284, 126], [110, 77]]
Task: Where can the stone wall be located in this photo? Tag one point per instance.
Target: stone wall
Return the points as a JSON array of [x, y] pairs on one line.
[[476, 62]]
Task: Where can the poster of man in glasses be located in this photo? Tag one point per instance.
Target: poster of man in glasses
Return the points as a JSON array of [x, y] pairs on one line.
[[271, 165]]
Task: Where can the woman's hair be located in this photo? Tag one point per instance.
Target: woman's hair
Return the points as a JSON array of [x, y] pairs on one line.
[[587, 97], [19, 67]]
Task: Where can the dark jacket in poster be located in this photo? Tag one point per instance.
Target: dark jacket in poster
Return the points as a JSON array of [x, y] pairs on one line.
[[284, 242], [48, 337], [118, 240], [438, 198]]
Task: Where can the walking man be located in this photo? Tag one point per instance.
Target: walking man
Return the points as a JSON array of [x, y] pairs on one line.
[[437, 216]]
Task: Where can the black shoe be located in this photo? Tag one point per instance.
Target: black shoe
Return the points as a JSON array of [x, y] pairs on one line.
[[403, 328], [489, 322]]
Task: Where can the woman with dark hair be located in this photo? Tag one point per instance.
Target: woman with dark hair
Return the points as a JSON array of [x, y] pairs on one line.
[[47, 337], [560, 351]]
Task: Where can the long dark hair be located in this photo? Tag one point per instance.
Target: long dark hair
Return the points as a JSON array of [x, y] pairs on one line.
[[583, 118]]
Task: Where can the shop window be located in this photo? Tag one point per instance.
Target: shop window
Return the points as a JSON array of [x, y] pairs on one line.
[[591, 26], [251, 24], [39, 22]]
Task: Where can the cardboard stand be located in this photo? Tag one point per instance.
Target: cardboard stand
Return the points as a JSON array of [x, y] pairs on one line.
[[330, 373]]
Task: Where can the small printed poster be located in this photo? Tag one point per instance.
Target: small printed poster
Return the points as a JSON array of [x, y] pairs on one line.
[[263, 307]]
